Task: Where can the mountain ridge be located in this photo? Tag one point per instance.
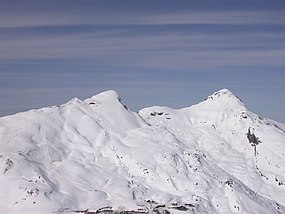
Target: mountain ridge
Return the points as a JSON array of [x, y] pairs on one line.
[[97, 153]]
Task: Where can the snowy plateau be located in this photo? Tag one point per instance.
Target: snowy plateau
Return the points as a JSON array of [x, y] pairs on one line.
[[97, 156]]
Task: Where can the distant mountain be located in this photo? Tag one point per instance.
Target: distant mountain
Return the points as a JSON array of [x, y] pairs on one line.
[[98, 156]]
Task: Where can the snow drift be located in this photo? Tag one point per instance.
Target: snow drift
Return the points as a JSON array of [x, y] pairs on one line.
[[98, 156]]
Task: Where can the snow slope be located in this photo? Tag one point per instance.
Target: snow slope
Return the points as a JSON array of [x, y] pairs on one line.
[[97, 155]]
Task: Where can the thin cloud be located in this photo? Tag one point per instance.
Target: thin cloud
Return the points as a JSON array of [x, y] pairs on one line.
[[167, 49], [52, 17]]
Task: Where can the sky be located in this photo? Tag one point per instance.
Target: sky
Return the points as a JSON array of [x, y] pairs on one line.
[[152, 52]]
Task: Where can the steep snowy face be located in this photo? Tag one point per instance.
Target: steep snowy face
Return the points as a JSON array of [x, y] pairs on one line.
[[50, 153], [224, 129], [213, 157]]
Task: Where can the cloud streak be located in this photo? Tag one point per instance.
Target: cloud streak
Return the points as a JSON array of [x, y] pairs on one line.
[[10, 20], [141, 47]]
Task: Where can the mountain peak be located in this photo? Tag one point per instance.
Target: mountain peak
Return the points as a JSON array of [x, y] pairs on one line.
[[110, 106], [107, 95], [224, 91], [110, 98], [223, 98]]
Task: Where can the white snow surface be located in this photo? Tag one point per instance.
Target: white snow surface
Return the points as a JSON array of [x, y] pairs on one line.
[[97, 155]]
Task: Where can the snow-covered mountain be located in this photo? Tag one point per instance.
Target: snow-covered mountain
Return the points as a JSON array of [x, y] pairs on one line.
[[98, 156]]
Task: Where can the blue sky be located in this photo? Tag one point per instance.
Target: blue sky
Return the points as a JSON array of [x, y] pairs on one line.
[[172, 53]]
